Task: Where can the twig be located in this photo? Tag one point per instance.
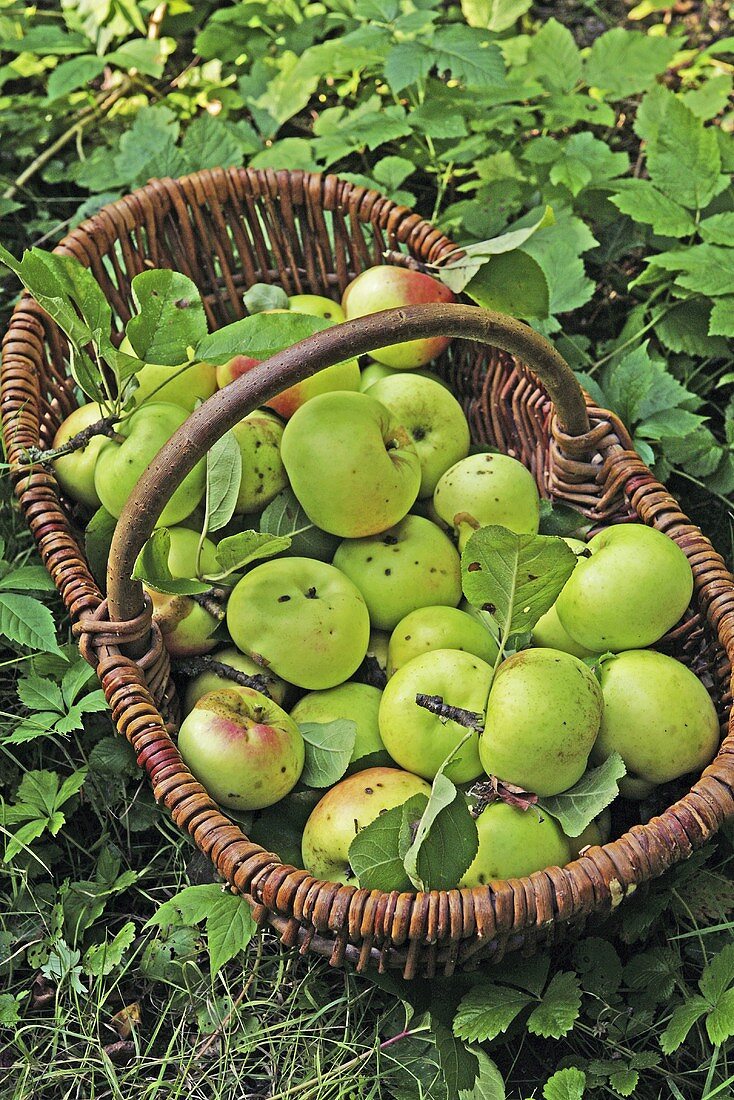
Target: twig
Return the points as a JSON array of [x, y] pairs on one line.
[[194, 666], [469, 719], [105, 426], [212, 601]]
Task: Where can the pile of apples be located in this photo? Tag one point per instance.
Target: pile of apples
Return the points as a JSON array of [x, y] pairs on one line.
[[380, 458]]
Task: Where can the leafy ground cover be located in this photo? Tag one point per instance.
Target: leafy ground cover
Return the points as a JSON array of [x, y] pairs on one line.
[[585, 150]]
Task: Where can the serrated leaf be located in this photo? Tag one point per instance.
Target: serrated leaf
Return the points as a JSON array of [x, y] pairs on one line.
[[35, 725], [598, 965], [459, 272], [376, 853], [711, 98], [259, 337], [285, 517], [74, 679], [407, 63], [565, 1084], [488, 1010], [683, 159], [329, 747], [152, 567], [170, 317], [559, 1009], [237, 551], [467, 54], [577, 807], [93, 703], [190, 906], [459, 1067], [703, 268], [113, 758], [27, 578], [624, 1081], [622, 63], [637, 387], [654, 972], [446, 840], [718, 974], [71, 786], [720, 1021], [210, 142], [27, 622], [494, 15], [229, 928], [73, 74], [721, 322], [718, 228], [223, 480], [517, 578], [554, 58], [102, 958], [681, 1022], [10, 1008], [686, 327], [511, 283], [488, 1084], [642, 202], [39, 693]]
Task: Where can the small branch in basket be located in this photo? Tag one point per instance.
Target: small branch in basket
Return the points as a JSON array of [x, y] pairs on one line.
[[213, 601], [495, 789], [106, 426], [469, 719], [194, 666]]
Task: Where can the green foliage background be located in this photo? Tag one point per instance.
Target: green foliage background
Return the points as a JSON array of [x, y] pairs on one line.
[[479, 115]]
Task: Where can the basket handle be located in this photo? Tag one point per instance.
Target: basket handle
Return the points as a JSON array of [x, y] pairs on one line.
[[352, 338]]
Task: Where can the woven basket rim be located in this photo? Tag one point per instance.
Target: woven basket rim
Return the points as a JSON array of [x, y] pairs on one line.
[[341, 915]]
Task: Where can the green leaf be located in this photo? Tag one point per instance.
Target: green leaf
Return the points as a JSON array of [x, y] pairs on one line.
[[152, 568], [488, 1084], [73, 74], [718, 974], [641, 201], [27, 623], [459, 272], [559, 1009], [624, 1081], [638, 387], [577, 807], [113, 758], [681, 1022], [686, 327], [722, 317], [93, 703], [237, 551], [376, 853], [711, 98], [264, 296], [407, 63], [654, 972], [683, 158], [622, 63], [102, 958], [720, 1021], [554, 58], [329, 747], [97, 541], [259, 336], [143, 54], [511, 283], [572, 173], [718, 228], [223, 480], [515, 577], [488, 1010], [285, 517], [560, 519], [169, 320], [229, 928], [75, 679], [466, 53], [27, 578], [494, 15], [703, 268], [10, 1008], [446, 840], [39, 693], [210, 142], [459, 1066], [565, 1084]]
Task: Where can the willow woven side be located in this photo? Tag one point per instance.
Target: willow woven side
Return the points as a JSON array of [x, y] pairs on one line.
[[226, 230]]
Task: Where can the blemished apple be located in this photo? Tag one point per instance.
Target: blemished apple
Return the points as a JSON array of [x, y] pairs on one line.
[[185, 625], [351, 805], [301, 619], [543, 717], [514, 843], [259, 437], [434, 420], [386, 287], [411, 565], [549, 632], [180, 385], [353, 467], [120, 465], [658, 716], [486, 489], [419, 740], [632, 589], [75, 472], [358, 703], [430, 628], [242, 747], [208, 681], [315, 305], [342, 376]]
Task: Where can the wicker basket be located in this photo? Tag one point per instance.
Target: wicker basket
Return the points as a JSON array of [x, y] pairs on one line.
[[226, 230]]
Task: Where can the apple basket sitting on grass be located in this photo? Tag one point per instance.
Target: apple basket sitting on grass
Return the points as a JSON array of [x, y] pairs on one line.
[[228, 230]]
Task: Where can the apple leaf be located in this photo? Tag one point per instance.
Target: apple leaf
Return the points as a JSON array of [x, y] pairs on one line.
[[512, 282], [170, 317], [258, 336], [446, 840], [577, 807], [97, 541], [223, 479], [152, 568], [516, 578], [329, 747], [284, 516], [264, 296], [237, 551], [457, 273], [377, 851], [559, 519]]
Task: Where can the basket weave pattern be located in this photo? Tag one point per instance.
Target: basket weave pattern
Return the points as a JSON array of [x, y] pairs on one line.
[[312, 234]]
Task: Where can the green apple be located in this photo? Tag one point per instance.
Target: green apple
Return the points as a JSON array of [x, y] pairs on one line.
[[634, 788], [122, 461], [263, 474], [317, 306], [75, 472], [412, 564], [514, 843], [549, 632], [375, 372], [595, 834], [631, 590], [180, 385], [386, 287], [359, 703], [185, 625], [486, 489], [434, 420], [429, 628], [208, 681], [377, 648], [242, 747], [658, 716], [351, 805], [543, 716], [301, 619], [419, 740], [353, 467]]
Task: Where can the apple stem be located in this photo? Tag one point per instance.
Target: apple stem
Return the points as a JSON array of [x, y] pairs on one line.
[[35, 456], [194, 666], [470, 719]]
